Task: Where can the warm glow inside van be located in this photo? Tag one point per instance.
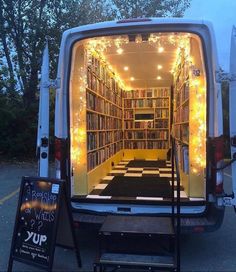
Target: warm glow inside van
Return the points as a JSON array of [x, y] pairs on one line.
[[125, 91]]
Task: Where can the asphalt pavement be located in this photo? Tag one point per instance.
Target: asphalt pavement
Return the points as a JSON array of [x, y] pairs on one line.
[[214, 251]]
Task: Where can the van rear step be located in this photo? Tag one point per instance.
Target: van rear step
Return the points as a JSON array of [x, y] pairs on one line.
[[135, 261], [123, 243]]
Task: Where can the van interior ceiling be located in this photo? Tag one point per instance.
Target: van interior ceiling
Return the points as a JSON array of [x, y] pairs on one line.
[[129, 95]]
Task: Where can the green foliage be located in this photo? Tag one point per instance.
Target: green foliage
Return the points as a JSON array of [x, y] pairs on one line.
[[24, 26], [151, 8], [17, 127]]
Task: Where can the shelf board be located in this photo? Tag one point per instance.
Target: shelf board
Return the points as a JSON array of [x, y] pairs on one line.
[[104, 98], [181, 141], [145, 97], [182, 84], [100, 113], [101, 147], [182, 123], [145, 108], [135, 140], [103, 130], [146, 129], [146, 139], [185, 102]]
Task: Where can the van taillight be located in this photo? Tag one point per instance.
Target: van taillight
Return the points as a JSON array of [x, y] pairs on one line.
[[58, 149], [218, 163]]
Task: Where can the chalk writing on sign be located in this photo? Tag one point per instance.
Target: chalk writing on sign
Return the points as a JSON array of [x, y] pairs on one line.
[[38, 208]]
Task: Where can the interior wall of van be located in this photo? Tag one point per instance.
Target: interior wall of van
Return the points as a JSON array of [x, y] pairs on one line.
[[129, 96]]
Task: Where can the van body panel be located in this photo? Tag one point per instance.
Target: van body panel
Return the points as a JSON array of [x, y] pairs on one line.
[[232, 108], [214, 103]]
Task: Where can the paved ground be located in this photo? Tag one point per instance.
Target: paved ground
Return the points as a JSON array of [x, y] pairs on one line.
[[200, 252]]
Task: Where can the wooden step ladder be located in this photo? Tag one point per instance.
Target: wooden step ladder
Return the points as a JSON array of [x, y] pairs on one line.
[[142, 242]]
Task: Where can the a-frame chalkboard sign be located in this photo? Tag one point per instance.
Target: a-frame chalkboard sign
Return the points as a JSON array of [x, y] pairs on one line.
[[43, 220]]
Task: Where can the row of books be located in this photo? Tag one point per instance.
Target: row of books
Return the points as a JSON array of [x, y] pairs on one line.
[[147, 124], [102, 73], [144, 125], [181, 114], [135, 145], [154, 92], [162, 124], [162, 113], [100, 122], [147, 135], [128, 114], [146, 103], [183, 155], [100, 88], [185, 91], [158, 135], [183, 73], [99, 139], [135, 135], [100, 105], [99, 156], [182, 95], [181, 132], [129, 124], [146, 145]]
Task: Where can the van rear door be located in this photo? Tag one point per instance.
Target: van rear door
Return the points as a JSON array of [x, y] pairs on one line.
[[43, 117], [232, 107]]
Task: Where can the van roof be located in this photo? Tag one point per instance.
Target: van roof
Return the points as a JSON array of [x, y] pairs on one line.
[[138, 22]]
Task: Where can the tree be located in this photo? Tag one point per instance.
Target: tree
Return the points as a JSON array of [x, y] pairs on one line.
[[24, 25], [151, 8]]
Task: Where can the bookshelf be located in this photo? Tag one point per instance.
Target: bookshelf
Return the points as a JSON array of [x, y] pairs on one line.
[[104, 114], [181, 101], [146, 119], [118, 119], [181, 117]]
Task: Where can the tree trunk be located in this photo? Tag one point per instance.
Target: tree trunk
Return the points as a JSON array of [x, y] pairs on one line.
[[6, 50]]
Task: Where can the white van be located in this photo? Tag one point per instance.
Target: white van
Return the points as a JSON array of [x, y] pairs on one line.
[[124, 90]]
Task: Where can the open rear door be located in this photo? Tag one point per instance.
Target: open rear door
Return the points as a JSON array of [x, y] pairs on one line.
[[43, 118], [232, 106]]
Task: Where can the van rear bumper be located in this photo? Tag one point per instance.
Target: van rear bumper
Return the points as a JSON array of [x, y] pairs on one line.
[[210, 221]]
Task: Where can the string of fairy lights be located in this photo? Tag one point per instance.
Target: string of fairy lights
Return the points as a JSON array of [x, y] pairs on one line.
[[97, 48], [197, 104]]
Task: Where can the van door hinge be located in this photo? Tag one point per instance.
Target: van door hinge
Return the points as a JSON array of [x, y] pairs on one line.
[[223, 76], [55, 83], [229, 201]]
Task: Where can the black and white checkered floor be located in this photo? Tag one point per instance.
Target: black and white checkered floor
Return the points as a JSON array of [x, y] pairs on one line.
[[122, 169]]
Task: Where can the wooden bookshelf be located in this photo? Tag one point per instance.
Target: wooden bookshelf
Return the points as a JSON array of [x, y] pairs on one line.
[[104, 115], [181, 119], [143, 133]]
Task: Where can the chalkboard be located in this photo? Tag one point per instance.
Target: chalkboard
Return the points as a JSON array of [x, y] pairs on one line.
[[36, 226]]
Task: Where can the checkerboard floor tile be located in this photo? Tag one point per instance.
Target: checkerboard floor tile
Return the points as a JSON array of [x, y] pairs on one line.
[[151, 172], [119, 167], [98, 197], [165, 169], [134, 169], [108, 178], [121, 170], [101, 186], [133, 175], [149, 198]]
